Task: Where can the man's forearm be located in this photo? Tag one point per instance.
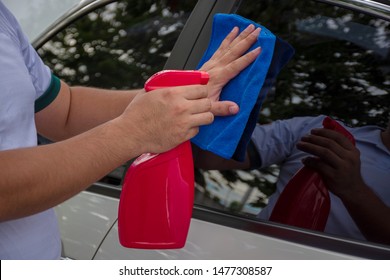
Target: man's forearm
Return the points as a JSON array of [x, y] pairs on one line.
[[85, 108], [92, 107], [35, 179], [370, 214]]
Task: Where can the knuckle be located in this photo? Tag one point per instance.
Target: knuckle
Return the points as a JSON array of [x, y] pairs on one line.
[[204, 91], [339, 138], [357, 152], [183, 126], [210, 117], [194, 131], [325, 153], [208, 104], [167, 93], [328, 144], [179, 109], [355, 156]]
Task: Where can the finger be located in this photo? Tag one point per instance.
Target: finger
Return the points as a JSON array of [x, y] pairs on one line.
[[243, 35], [200, 105], [221, 50], [224, 108], [192, 132], [227, 41], [249, 34], [191, 92], [325, 142], [231, 50], [322, 153], [338, 137], [237, 49], [199, 119], [319, 166], [231, 40], [235, 67]]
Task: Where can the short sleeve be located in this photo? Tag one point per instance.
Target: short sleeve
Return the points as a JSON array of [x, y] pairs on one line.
[[276, 141], [49, 95], [40, 74]]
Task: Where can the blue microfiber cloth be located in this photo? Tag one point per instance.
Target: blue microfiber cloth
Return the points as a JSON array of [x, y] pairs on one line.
[[229, 136]]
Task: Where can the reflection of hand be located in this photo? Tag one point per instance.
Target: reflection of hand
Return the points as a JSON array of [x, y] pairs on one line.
[[227, 62], [336, 159], [160, 120]]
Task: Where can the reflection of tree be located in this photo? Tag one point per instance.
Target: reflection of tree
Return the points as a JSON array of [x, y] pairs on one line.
[[341, 68], [121, 45], [262, 180], [118, 46], [331, 73]]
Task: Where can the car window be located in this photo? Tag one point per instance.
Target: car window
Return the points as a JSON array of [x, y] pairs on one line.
[[118, 46], [340, 68]]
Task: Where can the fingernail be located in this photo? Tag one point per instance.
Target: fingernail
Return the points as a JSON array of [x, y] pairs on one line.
[[250, 27], [233, 109], [257, 50], [234, 29]]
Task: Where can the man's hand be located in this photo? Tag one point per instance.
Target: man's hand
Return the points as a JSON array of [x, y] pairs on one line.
[[159, 120], [336, 159], [226, 63], [170, 116]]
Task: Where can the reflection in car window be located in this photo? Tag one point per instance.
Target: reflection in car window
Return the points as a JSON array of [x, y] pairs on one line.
[[118, 46], [340, 68]]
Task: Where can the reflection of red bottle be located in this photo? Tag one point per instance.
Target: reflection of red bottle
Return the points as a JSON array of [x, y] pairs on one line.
[[305, 201], [155, 206]]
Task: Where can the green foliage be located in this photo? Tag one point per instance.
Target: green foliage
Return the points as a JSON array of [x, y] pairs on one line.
[[341, 65], [118, 46]]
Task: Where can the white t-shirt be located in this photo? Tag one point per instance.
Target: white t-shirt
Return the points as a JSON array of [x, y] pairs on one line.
[[275, 144], [23, 79]]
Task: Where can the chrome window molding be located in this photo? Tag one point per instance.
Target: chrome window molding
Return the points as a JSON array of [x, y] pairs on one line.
[[72, 15], [359, 249], [319, 240], [374, 8]]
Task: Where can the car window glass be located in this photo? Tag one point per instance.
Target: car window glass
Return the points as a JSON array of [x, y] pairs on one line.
[[118, 47], [340, 68]]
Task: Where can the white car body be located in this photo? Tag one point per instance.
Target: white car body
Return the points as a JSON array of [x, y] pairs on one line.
[[88, 222]]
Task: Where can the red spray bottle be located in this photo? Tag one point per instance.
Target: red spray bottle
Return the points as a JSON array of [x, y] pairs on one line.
[[305, 200], [157, 197]]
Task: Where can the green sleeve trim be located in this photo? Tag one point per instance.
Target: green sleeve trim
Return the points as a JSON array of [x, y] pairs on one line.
[[49, 95]]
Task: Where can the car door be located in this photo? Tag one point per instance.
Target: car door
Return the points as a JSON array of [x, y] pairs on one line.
[[107, 44], [120, 45], [225, 223]]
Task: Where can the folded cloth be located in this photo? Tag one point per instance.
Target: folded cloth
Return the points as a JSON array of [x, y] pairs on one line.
[[229, 136]]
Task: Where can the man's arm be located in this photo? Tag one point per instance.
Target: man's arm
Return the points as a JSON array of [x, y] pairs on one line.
[[209, 161], [78, 109], [338, 161], [37, 178], [115, 128]]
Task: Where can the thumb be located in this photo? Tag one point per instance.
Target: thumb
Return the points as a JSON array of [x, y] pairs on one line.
[[224, 108]]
